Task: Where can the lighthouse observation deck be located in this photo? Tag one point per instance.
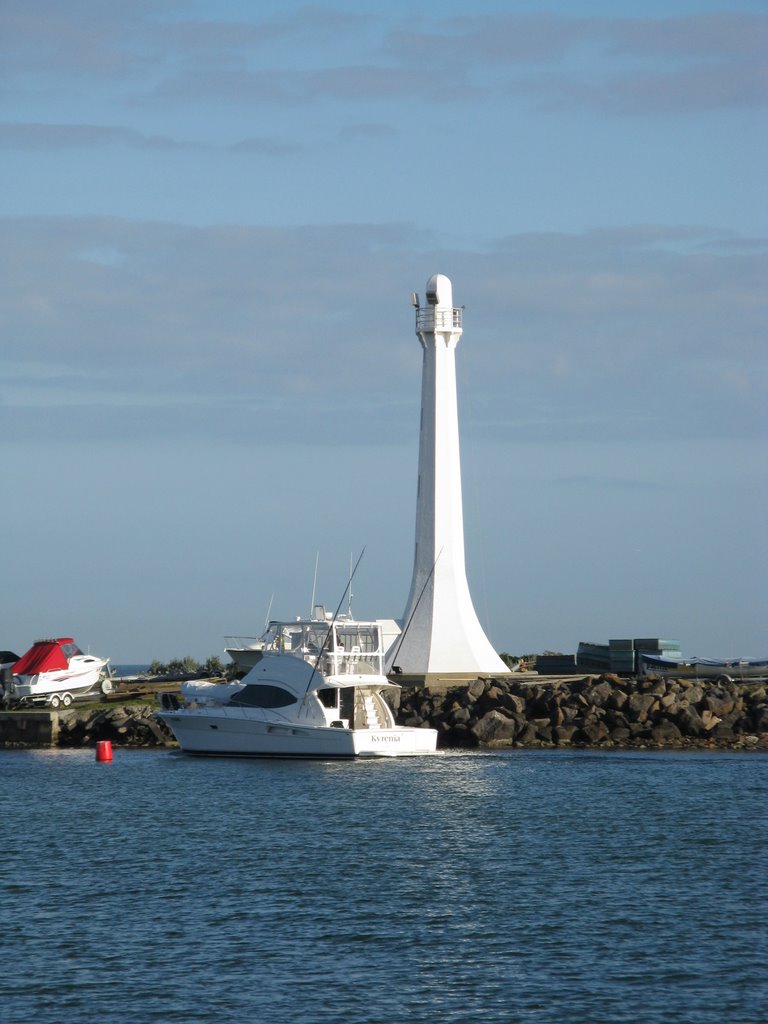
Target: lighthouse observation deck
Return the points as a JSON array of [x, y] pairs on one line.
[[435, 318]]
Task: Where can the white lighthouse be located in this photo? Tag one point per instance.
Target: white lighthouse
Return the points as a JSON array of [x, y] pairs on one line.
[[443, 639]]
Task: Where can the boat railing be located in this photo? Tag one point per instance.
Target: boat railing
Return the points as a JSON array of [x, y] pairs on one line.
[[342, 663], [243, 641], [333, 662]]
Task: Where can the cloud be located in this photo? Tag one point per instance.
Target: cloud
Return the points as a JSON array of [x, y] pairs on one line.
[[368, 131], [164, 53], [125, 41], [73, 39], [376, 83], [265, 147], [46, 136], [611, 65], [704, 87], [521, 39], [717, 35], [243, 86], [294, 88], [501, 39], [243, 332]]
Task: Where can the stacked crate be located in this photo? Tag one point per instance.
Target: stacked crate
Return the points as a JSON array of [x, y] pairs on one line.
[[622, 657], [593, 657], [660, 648], [556, 664], [656, 648]]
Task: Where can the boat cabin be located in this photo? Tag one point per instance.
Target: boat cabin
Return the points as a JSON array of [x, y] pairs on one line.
[[47, 656], [343, 647]]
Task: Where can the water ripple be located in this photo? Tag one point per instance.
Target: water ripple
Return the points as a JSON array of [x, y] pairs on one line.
[[542, 887]]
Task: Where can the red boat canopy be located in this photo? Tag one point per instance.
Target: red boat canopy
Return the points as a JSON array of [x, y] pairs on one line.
[[46, 656]]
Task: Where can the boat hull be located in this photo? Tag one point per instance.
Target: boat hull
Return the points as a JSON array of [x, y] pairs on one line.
[[244, 657], [45, 685], [742, 670], [239, 735]]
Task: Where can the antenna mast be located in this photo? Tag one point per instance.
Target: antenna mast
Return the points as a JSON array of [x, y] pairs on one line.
[[314, 585], [269, 612], [329, 634]]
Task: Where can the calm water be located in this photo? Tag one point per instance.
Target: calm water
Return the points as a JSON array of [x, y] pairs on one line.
[[519, 886]]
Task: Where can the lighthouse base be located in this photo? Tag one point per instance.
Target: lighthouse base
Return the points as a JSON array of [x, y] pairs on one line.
[[443, 680]]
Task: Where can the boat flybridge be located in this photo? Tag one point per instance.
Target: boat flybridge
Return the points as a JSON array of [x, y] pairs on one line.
[[318, 690]]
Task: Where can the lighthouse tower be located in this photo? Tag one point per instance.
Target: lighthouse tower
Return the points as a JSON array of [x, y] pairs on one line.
[[443, 639]]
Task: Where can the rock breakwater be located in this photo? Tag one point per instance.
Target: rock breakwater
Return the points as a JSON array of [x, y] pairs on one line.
[[129, 725], [595, 711]]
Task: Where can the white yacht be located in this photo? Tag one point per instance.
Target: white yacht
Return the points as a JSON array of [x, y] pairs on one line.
[[245, 651], [318, 690], [54, 672]]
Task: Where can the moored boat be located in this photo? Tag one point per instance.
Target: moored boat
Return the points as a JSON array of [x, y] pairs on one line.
[[245, 652], [318, 690], [54, 672], [724, 671]]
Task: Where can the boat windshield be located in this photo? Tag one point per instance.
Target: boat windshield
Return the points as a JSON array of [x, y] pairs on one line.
[[300, 638], [356, 650], [364, 637]]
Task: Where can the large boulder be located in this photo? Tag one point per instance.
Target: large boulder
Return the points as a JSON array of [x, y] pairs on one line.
[[494, 729], [694, 693], [569, 713], [657, 687], [476, 689], [599, 694], [543, 729], [709, 720], [758, 716], [640, 706], [665, 731], [615, 719], [460, 716], [617, 699], [563, 734], [527, 736], [413, 721], [513, 702], [594, 731], [458, 736], [620, 735], [724, 730], [690, 722], [719, 704], [539, 703], [557, 717]]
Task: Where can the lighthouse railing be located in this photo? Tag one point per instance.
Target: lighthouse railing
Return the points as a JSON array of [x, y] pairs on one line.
[[428, 318]]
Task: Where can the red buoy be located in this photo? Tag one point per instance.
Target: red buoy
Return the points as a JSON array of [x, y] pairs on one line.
[[104, 750]]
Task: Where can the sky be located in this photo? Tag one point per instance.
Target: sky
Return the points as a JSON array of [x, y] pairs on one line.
[[212, 216]]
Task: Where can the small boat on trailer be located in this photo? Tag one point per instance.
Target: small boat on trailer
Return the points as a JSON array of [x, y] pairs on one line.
[[55, 672], [318, 691]]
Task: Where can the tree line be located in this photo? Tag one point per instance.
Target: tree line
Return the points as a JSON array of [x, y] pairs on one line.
[[188, 666]]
